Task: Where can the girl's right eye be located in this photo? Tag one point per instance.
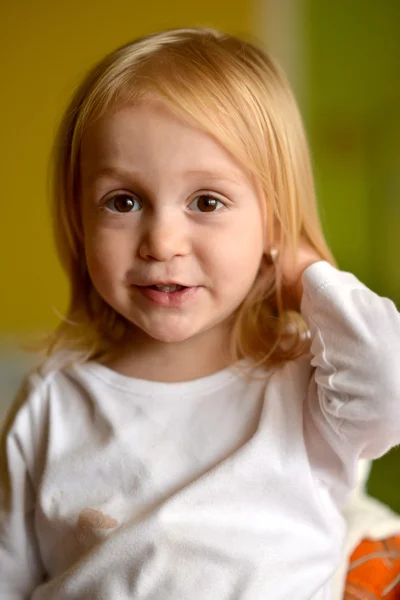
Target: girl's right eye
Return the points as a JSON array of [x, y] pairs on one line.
[[123, 203]]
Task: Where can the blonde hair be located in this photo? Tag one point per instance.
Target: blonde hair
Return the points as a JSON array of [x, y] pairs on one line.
[[236, 93]]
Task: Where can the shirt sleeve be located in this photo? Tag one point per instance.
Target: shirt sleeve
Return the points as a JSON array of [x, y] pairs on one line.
[[354, 394], [21, 569]]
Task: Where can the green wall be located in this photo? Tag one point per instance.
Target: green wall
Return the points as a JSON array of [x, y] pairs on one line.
[[353, 117], [354, 124]]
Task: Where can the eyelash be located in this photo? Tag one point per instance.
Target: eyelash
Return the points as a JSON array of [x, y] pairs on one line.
[[131, 197]]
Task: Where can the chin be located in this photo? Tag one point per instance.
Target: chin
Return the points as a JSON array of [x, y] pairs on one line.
[[168, 333], [170, 337]]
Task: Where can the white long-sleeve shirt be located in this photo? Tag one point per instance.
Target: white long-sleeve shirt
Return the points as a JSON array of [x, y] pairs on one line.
[[219, 488]]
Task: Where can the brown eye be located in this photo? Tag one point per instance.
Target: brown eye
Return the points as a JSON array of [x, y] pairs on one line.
[[206, 204], [123, 203]]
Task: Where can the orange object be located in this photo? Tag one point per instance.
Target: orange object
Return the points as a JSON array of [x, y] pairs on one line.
[[374, 571]]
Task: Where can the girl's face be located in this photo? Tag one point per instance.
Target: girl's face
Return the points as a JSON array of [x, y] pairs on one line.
[[163, 204]]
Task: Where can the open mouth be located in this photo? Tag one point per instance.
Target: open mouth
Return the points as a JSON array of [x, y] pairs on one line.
[[169, 289], [169, 295]]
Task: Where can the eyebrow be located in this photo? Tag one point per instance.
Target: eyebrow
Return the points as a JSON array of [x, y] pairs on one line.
[[109, 171], [228, 176]]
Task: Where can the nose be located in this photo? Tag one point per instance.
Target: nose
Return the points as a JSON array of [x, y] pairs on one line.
[[164, 236]]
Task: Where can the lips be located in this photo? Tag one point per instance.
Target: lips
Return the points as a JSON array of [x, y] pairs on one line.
[[168, 288], [168, 294]]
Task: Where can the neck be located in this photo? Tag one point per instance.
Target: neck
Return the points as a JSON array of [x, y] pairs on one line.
[[146, 358]]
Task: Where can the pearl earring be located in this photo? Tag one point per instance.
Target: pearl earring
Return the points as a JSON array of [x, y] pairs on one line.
[[272, 255]]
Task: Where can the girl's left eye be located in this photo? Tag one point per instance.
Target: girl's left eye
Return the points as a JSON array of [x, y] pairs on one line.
[[123, 203], [206, 203]]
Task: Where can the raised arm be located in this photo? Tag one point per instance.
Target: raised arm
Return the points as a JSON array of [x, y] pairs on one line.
[[356, 355]]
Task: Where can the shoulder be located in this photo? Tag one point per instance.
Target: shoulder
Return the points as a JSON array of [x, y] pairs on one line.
[[38, 387], [38, 415], [27, 398]]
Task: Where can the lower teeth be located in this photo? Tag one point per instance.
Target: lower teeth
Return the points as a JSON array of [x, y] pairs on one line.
[[167, 288]]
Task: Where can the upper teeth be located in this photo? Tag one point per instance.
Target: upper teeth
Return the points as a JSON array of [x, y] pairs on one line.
[[169, 288]]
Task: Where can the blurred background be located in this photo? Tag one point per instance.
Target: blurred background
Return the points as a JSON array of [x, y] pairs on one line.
[[343, 60]]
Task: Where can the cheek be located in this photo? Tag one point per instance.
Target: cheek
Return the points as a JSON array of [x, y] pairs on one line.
[[106, 255], [235, 259]]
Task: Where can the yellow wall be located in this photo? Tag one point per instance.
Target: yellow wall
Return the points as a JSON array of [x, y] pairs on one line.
[[46, 47]]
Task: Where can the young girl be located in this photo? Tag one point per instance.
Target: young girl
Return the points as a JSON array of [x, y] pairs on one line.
[[196, 430]]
